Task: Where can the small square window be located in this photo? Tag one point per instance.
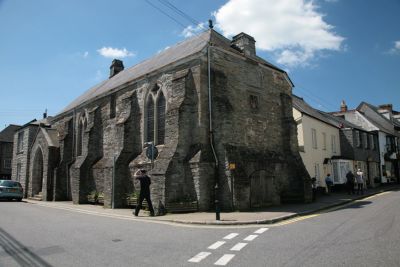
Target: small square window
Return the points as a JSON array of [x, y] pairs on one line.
[[314, 138], [20, 144], [7, 164], [254, 103]]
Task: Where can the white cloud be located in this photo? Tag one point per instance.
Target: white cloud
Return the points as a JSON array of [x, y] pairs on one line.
[[396, 48], [86, 54], [190, 30], [292, 30], [115, 52], [294, 58]]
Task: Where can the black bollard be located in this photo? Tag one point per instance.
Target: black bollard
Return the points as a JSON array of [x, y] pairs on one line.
[[217, 210]]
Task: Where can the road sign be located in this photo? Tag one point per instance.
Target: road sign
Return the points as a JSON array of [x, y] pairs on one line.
[[152, 152]]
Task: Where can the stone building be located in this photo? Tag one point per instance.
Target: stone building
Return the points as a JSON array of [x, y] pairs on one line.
[[6, 151], [32, 175], [216, 112]]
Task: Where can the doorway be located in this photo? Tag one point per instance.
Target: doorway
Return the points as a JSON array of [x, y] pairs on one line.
[[37, 172], [261, 189]]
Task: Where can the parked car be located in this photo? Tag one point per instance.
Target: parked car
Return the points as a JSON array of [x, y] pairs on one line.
[[11, 190]]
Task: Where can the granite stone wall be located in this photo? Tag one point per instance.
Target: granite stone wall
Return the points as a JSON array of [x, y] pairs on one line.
[[22, 157], [254, 130], [254, 136], [62, 181]]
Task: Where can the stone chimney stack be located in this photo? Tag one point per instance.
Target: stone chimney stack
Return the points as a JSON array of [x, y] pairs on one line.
[[245, 43], [343, 106], [387, 107], [116, 67]]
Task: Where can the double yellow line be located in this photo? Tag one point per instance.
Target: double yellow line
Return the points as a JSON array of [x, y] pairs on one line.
[[305, 217], [297, 219]]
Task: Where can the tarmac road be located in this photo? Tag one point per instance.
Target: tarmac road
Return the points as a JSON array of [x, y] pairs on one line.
[[364, 233]]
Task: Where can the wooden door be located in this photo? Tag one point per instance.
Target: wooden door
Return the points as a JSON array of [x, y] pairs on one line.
[[261, 186]]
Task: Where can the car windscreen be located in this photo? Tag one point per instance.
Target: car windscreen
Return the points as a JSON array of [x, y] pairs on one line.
[[9, 183]]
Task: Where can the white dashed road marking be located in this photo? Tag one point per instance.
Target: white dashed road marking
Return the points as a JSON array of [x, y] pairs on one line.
[[224, 259], [238, 246], [230, 236], [227, 257], [261, 230], [250, 238], [199, 257], [216, 245]]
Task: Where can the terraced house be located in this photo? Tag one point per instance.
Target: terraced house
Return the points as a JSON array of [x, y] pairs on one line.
[[379, 121], [219, 116]]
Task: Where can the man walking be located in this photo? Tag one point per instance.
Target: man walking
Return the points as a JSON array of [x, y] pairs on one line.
[[145, 182]]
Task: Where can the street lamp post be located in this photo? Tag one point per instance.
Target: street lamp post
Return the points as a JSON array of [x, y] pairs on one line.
[[217, 208], [113, 183]]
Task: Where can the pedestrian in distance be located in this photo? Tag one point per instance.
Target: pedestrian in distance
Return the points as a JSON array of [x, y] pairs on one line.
[[329, 183], [145, 182], [360, 182], [350, 183], [314, 189]]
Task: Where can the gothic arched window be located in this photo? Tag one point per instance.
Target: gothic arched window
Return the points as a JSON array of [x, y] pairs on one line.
[[81, 132], [155, 116], [161, 105], [150, 119]]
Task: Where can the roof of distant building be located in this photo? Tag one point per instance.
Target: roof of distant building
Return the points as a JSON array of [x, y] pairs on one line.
[[376, 122], [302, 106], [7, 135], [334, 121]]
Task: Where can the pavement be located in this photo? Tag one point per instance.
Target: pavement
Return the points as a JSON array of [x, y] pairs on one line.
[[268, 215]]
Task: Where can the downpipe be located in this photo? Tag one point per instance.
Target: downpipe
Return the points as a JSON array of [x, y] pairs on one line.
[[211, 136]]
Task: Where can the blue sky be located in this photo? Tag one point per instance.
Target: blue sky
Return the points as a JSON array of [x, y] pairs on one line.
[[53, 51]]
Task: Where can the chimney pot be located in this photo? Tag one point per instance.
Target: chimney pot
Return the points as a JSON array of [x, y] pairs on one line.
[[210, 24], [387, 107], [245, 43], [116, 67], [343, 106]]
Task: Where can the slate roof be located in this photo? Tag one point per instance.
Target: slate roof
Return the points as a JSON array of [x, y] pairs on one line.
[[173, 54], [7, 135], [299, 104], [34, 122], [342, 123], [337, 122], [377, 123]]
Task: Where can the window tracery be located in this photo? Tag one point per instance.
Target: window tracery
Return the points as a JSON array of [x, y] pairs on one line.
[[155, 116]]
